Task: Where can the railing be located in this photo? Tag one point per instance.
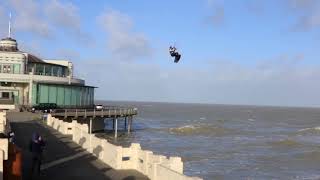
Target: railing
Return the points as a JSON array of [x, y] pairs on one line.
[[40, 78], [105, 111]]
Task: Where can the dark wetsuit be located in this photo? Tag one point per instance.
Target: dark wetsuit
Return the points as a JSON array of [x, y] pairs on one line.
[[174, 54]]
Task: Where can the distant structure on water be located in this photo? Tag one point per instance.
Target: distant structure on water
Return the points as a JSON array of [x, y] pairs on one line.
[[27, 80]]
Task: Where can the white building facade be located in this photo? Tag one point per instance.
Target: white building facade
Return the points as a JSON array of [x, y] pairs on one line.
[[26, 80]]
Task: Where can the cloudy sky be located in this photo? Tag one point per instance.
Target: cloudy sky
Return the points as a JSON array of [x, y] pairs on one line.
[[233, 52]]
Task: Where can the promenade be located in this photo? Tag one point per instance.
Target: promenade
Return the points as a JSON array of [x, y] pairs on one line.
[[63, 159]]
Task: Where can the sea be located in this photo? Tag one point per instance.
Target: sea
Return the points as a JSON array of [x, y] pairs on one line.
[[228, 141]]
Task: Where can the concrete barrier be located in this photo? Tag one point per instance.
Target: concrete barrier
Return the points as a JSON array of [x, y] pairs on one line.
[[112, 155], [4, 125], [156, 167], [4, 143], [1, 164]]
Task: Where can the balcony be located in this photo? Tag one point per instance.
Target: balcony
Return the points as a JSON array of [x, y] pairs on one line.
[[25, 78]]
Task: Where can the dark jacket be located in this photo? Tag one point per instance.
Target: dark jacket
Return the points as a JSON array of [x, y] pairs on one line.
[[36, 147]]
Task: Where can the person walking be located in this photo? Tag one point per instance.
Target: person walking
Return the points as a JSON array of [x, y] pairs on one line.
[[36, 146]]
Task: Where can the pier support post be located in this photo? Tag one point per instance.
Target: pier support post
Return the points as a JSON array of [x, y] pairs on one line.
[[116, 129], [125, 123], [129, 123], [113, 123], [90, 128]]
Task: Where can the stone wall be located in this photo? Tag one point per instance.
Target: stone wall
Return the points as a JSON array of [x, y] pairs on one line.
[[156, 167], [4, 129]]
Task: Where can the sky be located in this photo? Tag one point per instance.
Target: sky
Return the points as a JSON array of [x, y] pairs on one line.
[[251, 52]]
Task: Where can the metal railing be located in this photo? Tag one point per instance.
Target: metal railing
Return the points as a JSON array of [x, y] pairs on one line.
[[108, 111], [40, 78]]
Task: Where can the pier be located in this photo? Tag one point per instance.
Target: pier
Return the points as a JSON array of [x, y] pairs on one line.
[[95, 118]]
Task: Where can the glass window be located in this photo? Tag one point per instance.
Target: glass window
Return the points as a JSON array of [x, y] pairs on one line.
[[48, 70], [55, 71], [30, 66], [39, 69], [5, 95], [7, 84], [63, 72], [7, 69], [16, 68], [59, 71]]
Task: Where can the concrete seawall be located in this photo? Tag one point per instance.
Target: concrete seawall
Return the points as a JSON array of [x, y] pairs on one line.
[[4, 144], [62, 157], [156, 167]]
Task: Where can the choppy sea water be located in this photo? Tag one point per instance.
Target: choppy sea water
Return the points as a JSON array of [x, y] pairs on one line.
[[230, 142]]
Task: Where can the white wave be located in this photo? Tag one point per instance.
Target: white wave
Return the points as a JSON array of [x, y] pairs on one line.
[[199, 129], [308, 129]]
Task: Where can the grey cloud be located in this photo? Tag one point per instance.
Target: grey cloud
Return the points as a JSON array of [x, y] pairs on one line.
[[27, 17], [45, 18], [65, 15], [32, 46], [256, 7], [302, 4], [123, 42], [3, 23], [308, 22], [307, 12], [286, 84], [68, 54], [218, 17]]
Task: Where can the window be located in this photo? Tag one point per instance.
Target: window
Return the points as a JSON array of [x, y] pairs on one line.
[[39, 69], [16, 68], [5, 95], [6, 84], [30, 68], [55, 71], [6, 69]]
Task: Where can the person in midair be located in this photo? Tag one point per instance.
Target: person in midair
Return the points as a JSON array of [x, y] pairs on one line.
[[173, 52]]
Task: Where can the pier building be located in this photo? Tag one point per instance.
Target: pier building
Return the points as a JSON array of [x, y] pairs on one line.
[[27, 80]]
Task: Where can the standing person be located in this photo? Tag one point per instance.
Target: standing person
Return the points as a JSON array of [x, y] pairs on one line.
[[11, 137], [36, 147]]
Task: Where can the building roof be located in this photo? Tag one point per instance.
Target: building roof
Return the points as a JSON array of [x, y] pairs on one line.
[[9, 45], [34, 59], [9, 39]]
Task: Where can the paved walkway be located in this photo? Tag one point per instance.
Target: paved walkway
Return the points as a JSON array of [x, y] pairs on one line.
[[63, 159]]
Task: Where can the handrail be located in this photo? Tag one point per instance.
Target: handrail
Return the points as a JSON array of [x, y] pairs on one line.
[[106, 110]]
